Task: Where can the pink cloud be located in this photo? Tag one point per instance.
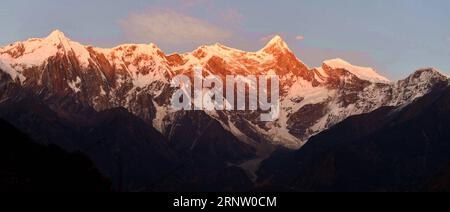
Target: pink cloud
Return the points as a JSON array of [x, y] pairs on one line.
[[299, 37], [172, 28], [190, 3], [232, 15]]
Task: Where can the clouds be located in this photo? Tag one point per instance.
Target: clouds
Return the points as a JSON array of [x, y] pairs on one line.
[[299, 37], [171, 29], [191, 3], [232, 15]]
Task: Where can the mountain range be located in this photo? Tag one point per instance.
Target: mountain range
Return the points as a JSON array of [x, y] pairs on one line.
[[114, 106]]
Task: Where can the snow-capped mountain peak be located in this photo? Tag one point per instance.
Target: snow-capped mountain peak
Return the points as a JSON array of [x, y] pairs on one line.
[[363, 73], [434, 71], [276, 40], [276, 44], [426, 75], [56, 35], [59, 40], [35, 52]]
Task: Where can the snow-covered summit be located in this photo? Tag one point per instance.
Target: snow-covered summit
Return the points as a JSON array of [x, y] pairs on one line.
[[363, 73], [276, 44], [56, 36], [432, 72], [34, 52]]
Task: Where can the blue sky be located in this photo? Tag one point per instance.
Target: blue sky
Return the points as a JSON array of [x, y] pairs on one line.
[[394, 36]]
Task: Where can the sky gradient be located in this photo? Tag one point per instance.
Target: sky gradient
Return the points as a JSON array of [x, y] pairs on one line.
[[394, 36]]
